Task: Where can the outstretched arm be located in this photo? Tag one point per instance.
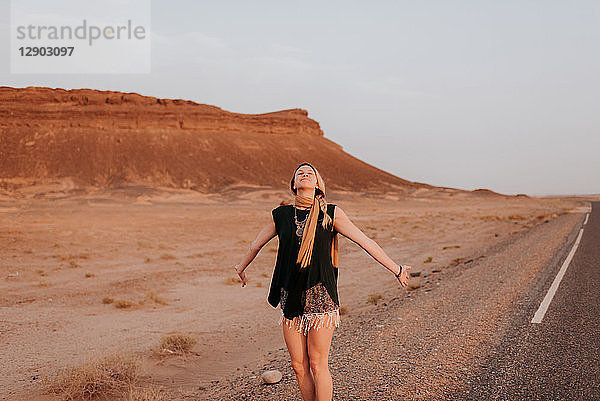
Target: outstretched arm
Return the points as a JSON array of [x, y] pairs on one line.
[[344, 226], [264, 236]]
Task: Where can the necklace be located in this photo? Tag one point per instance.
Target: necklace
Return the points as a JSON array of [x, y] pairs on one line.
[[299, 224]]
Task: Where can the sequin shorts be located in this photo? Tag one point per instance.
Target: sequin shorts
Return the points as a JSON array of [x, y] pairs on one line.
[[319, 311]]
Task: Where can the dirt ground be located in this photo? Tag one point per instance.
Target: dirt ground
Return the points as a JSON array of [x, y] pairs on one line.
[[171, 253]]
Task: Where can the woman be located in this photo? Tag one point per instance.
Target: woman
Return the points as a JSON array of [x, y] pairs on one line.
[[304, 281]]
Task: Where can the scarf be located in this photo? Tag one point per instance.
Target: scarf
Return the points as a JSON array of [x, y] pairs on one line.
[[315, 204]]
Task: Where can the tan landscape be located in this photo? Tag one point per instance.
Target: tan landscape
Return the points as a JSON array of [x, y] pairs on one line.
[[122, 216]]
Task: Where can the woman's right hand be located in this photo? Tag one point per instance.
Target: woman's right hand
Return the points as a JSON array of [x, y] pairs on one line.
[[241, 273]]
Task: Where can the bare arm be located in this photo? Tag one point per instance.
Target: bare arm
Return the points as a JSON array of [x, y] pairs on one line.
[[344, 226], [264, 236]]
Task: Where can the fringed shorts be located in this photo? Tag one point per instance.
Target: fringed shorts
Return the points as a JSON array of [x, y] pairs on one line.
[[319, 311]]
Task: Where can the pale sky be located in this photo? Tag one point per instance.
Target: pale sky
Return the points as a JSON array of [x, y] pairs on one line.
[[503, 95]]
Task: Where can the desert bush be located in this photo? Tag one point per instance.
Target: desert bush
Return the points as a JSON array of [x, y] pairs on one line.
[[107, 300], [233, 280], [428, 260], [177, 343], [152, 296], [123, 304], [373, 298], [101, 377], [152, 393]]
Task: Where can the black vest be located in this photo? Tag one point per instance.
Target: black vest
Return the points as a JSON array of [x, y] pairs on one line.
[[287, 273]]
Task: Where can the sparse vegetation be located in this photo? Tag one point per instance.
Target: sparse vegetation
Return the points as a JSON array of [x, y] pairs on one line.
[[233, 280], [177, 343], [451, 247], [144, 244], [41, 272], [109, 377], [168, 256], [154, 393], [457, 261], [74, 265], [123, 304], [147, 260], [152, 296], [373, 298], [428, 260], [88, 275]]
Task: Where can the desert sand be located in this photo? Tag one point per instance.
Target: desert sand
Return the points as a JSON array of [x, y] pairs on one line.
[[175, 250], [122, 217]]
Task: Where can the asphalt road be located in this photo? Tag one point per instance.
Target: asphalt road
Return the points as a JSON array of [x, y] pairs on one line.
[[558, 358]]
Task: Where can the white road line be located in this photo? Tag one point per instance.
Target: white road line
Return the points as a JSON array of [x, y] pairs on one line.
[[539, 315], [586, 218]]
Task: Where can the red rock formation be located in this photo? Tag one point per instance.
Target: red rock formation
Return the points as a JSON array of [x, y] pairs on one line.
[[106, 139]]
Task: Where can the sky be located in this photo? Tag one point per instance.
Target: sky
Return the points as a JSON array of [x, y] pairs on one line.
[[502, 95]]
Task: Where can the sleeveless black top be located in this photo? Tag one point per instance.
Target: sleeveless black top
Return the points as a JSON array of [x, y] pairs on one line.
[[287, 273]]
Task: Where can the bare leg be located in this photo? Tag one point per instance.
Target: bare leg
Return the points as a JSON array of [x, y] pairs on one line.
[[297, 347], [319, 342]]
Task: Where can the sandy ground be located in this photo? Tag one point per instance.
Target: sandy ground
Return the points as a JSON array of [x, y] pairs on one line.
[[60, 257]]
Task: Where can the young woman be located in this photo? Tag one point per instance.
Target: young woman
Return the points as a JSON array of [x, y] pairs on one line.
[[304, 280]]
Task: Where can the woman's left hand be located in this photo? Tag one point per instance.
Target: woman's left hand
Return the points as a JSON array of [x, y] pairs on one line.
[[403, 277]]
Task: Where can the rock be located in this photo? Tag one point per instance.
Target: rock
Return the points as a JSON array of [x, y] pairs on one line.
[[414, 283], [271, 376], [425, 273], [435, 270], [415, 274]]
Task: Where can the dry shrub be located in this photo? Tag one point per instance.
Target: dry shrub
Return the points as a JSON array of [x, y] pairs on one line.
[[451, 247], [147, 259], [177, 343], [428, 260], [107, 300], [373, 298], [41, 272], [343, 310], [168, 256], [144, 244], [515, 217], [457, 261], [98, 378], [152, 296], [490, 218], [123, 304], [147, 394], [233, 280], [88, 275], [74, 264]]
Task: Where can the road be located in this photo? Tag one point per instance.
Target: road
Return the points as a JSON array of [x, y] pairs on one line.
[[558, 358]]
